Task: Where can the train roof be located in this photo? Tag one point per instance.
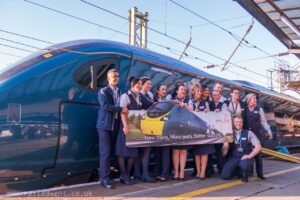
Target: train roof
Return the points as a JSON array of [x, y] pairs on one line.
[[83, 46]]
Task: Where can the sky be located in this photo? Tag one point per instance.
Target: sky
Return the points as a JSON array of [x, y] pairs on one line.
[[28, 19]]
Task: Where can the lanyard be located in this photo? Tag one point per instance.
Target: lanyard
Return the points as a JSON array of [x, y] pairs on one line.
[[240, 139], [234, 109]]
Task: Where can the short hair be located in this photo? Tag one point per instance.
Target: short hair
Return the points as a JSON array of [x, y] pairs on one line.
[[238, 117], [234, 88], [133, 81], [112, 71]]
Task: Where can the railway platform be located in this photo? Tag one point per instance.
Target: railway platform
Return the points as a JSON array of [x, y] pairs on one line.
[[282, 182]]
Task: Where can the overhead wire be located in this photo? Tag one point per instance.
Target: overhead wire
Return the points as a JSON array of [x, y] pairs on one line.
[[220, 27], [9, 54], [18, 48], [171, 37], [179, 41]]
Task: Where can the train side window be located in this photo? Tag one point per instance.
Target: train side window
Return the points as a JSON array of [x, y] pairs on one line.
[[92, 75]]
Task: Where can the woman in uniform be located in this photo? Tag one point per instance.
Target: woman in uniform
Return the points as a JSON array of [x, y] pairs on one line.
[[128, 101], [162, 154], [179, 153], [198, 104], [143, 159]]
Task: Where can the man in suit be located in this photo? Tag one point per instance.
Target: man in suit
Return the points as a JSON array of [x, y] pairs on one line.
[[107, 123]]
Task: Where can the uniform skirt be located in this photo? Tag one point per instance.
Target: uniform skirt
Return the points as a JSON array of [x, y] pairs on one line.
[[121, 148], [203, 149]]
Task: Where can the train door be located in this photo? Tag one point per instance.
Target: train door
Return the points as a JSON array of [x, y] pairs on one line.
[[78, 145]]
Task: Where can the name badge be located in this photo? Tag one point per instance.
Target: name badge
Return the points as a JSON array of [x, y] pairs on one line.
[[201, 107], [255, 111], [243, 138]]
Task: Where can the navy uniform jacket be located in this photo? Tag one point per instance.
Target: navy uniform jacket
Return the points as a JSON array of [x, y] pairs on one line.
[[108, 109]]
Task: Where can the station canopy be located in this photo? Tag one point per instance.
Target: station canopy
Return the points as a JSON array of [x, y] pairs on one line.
[[280, 17]]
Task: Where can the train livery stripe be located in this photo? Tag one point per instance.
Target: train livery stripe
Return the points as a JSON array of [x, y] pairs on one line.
[[223, 186]]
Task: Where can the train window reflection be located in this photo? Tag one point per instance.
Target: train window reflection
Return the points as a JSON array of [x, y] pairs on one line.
[[92, 75]]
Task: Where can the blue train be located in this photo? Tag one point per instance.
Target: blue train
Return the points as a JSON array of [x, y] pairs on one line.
[[48, 107]]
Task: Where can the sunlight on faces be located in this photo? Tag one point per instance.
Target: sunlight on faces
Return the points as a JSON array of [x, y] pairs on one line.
[[216, 96], [136, 87], [252, 101], [113, 78], [205, 93], [181, 92], [162, 91], [197, 93], [219, 87], [147, 86], [238, 123], [235, 94]]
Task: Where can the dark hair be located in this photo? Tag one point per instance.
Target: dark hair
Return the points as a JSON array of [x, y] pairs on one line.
[[145, 79], [203, 88], [237, 117], [177, 86], [234, 88], [157, 89], [133, 81]]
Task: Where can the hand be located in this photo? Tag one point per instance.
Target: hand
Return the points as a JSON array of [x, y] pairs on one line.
[[217, 110], [270, 136], [197, 110], [206, 110], [225, 148], [125, 129], [245, 157], [182, 104]]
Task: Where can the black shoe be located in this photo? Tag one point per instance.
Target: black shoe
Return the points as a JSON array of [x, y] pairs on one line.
[[108, 184], [262, 177], [244, 179], [126, 181], [163, 179], [181, 179], [148, 179], [201, 178]]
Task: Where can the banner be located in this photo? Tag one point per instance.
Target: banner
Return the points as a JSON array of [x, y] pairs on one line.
[[168, 124]]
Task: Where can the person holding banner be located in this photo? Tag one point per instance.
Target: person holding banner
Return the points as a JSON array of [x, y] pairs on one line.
[[235, 106], [128, 101], [162, 154], [217, 106], [107, 124], [197, 104], [179, 153], [254, 120], [143, 159], [242, 151], [205, 93]]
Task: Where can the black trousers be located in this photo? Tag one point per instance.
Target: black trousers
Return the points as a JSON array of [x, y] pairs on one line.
[[259, 165], [232, 165], [106, 144]]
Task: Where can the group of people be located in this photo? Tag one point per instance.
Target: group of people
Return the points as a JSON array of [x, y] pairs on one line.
[[248, 122]]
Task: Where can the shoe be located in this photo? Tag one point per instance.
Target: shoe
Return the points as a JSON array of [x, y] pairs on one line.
[[201, 178], [108, 184], [126, 181], [181, 179], [176, 178], [163, 179], [148, 179], [262, 177], [244, 179]]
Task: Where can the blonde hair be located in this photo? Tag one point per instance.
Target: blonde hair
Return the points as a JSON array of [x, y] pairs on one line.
[[194, 87]]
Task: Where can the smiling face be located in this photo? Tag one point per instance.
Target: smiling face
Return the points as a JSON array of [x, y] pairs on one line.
[[216, 96], [113, 78], [238, 123], [162, 91], [235, 94], [198, 93], [137, 87], [252, 101], [147, 86], [205, 93], [181, 92]]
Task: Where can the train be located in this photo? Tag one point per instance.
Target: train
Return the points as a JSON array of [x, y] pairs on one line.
[[49, 105]]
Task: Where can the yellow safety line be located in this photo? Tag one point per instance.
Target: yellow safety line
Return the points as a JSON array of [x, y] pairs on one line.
[[223, 186], [281, 155]]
